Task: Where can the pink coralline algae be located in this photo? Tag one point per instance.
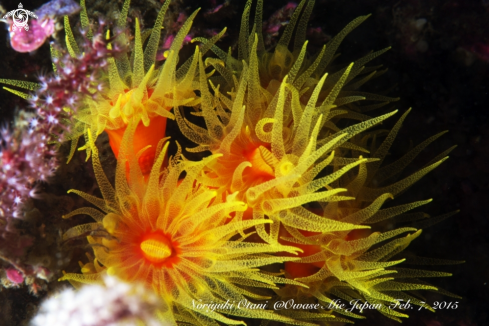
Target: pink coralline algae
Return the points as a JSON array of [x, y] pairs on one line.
[[40, 29], [14, 275]]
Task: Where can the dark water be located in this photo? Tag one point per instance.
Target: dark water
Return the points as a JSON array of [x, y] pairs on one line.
[[439, 66]]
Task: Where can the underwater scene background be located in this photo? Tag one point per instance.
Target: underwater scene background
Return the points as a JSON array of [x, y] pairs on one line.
[[438, 65]]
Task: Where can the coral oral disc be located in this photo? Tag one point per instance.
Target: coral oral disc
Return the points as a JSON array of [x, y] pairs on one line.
[[156, 248], [259, 167]]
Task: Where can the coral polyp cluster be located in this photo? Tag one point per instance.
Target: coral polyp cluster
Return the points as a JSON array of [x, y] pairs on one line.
[[337, 262], [167, 234], [276, 132], [278, 135], [291, 195]]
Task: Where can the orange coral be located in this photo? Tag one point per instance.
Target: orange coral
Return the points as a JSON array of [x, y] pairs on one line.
[[271, 124]]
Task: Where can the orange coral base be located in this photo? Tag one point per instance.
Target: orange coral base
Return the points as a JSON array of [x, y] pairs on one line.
[[143, 137]]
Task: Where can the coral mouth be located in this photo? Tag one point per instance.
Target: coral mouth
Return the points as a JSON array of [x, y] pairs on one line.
[[156, 247]]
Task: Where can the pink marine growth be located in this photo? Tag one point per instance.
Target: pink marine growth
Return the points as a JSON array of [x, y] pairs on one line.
[[481, 50], [24, 159], [272, 26], [27, 41], [39, 30], [14, 275]]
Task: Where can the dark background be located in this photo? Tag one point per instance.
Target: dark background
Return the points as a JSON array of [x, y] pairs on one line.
[[441, 71]]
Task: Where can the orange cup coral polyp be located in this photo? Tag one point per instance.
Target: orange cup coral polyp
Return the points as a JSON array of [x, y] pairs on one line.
[[133, 88], [256, 171]]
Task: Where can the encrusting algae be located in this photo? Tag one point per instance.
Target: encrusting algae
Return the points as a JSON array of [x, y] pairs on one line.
[[293, 192]]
